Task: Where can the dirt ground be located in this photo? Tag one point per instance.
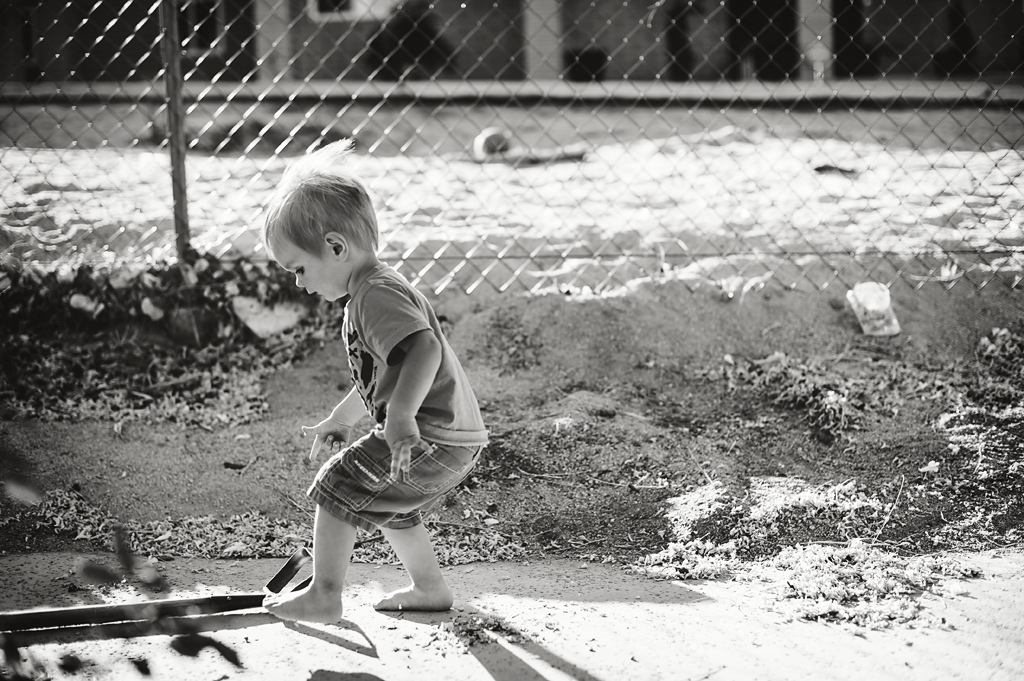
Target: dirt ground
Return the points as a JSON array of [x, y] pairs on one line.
[[606, 413]]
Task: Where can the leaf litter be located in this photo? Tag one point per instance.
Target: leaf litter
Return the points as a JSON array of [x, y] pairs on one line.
[[200, 366], [245, 535]]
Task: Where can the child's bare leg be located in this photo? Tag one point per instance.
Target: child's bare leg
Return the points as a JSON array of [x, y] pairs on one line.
[[333, 540], [428, 590]]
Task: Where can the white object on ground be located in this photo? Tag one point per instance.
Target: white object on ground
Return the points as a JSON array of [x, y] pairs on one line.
[[264, 321], [491, 141], [872, 304]]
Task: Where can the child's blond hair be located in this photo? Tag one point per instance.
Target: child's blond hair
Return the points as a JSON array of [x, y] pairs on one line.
[[316, 197]]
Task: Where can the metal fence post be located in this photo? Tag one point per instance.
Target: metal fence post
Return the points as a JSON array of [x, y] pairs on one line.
[[175, 122]]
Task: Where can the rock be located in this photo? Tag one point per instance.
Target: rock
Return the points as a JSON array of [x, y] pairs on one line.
[[86, 304], [265, 321], [491, 141], [151, 310]]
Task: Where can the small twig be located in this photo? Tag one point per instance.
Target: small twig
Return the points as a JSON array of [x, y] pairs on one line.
[[842, 355], [369, 540], [700, 467], [826, 542], [708, 675], [185, 383], [542, 475], [247, 466], [468, 527], [607, 482], [552, 479], [581, 545], [895, 501], [590, 541], [626, 484], [293, 502]]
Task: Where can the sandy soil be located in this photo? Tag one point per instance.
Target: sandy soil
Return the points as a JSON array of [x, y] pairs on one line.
[[551, 620]]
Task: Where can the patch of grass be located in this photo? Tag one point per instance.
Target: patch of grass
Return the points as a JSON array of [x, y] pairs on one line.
[[851, 554], [977, 487], [1001, 384], [835, 402], [814, 547], [824, 396], [1002, 351], [856, 583]]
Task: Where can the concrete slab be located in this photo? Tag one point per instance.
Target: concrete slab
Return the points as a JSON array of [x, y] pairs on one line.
[[574, 620]]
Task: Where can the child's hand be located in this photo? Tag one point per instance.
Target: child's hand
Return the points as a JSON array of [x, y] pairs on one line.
[[327, 434], [402, 437]]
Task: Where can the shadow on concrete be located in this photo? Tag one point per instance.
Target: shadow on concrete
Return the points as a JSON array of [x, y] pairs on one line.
[[327, 675], [317, 631]]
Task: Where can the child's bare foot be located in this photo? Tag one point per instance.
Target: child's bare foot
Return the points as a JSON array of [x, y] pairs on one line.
[[305, 605], [435, 599]]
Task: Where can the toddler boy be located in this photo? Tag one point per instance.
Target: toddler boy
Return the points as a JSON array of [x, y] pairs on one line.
[[429, 433]]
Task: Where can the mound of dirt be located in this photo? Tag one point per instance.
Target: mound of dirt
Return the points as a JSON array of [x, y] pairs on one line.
[[682, 321]]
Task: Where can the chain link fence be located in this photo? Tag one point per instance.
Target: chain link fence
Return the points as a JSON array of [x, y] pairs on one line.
[[530, 144]]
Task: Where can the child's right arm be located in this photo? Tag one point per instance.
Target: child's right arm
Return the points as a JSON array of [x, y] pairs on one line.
[[332, 432]]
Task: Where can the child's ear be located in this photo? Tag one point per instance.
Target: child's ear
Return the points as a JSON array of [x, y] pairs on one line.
[[337, 243]]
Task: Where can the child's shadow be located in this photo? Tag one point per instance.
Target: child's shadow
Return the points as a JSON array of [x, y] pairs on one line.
[[328, 635], [506, 654]]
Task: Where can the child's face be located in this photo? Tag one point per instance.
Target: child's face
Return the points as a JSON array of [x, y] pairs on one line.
[[320, 274]]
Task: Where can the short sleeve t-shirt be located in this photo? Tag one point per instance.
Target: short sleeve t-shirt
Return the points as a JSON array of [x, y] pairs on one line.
[[383, 311]]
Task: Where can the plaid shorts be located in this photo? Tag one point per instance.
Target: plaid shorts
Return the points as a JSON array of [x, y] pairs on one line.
[[355, 485]]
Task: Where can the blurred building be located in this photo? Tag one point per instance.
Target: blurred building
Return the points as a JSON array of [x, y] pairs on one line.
[[674, 40]]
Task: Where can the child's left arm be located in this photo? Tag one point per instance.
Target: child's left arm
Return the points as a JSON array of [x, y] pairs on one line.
[[419, 368]]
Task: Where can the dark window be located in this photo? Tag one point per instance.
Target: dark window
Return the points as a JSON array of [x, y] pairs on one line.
[[332, 6]]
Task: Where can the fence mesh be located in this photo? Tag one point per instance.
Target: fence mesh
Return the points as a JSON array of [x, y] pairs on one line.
[[532, 143]]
